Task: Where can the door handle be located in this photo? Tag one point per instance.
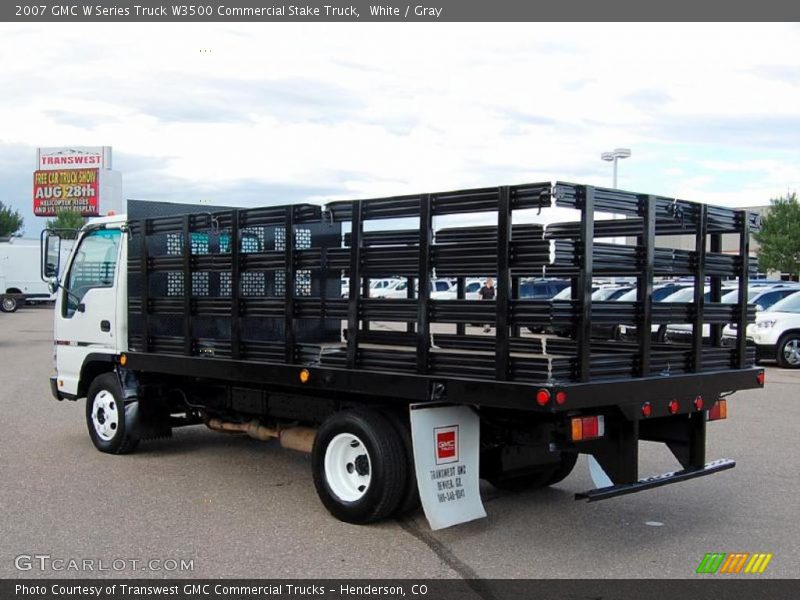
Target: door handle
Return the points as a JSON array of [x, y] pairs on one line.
[[105, 325]]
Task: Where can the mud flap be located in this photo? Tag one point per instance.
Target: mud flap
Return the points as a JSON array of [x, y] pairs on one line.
[[599, 477], [132, 419], [144, 419], [446, 443]]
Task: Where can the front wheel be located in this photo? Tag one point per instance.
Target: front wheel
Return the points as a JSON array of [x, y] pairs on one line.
[[9, 304], [105, 416], [359, 466], [788, 354]]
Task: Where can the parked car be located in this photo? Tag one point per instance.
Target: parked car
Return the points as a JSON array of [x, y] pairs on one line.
[[661, 293], [762, 297], [603, 292], [608, 293], [776, 332], [600, 292], [541, 289], [378, 288], [472, 286], [441, 289]]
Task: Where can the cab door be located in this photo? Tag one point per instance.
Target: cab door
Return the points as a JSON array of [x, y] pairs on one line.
[[86, 314]]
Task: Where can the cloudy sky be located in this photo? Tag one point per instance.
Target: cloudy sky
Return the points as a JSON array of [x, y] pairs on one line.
[[273, 113]]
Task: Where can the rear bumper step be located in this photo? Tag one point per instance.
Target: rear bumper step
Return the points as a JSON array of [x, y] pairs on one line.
[[656, 481]]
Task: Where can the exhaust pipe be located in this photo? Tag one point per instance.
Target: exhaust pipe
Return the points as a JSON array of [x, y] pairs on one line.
[[291, 438]]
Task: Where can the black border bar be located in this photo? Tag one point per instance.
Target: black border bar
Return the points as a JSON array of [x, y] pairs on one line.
[[252, 11]]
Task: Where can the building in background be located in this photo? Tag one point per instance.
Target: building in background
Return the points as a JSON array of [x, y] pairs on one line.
[[730, 244]]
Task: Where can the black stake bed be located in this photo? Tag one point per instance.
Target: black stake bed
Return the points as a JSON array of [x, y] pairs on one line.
[[256, 294]]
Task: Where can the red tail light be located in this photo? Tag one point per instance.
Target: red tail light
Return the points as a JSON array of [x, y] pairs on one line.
[[718, 411], [761, 377], [542, 397], [698, 403], [561, 397], [673, 406], [587, 428], [647, 409]]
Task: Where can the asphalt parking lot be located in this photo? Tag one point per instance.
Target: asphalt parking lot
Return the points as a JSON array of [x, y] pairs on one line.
[[237, 507]]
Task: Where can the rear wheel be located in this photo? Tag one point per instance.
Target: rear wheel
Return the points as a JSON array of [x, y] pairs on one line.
[[788, 355], [536, 479], [105, 416], [9, 304], [410, 500], [359, 466]]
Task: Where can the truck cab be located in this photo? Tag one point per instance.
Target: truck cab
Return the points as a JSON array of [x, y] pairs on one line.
[[90, 313]]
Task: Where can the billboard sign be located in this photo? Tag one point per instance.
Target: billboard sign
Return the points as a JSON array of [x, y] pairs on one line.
[[74, 190], [74, 157]]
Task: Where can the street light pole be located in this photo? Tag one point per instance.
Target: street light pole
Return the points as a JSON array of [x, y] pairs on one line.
[[614, 157]]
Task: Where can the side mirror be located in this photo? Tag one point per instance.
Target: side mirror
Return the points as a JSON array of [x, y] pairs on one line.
[[51, 255], [759, 308], [52, 285]]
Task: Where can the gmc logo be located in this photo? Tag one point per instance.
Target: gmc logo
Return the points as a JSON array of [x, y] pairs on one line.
[[446, 444]]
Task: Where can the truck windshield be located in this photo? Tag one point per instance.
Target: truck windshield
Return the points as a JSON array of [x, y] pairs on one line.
[[93, 267]]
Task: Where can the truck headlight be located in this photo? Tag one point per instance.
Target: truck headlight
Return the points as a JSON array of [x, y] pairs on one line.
[[765, 324]]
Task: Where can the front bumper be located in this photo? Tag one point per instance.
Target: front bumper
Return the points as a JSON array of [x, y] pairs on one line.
[[54, 388], [58, 395], [766, 351]]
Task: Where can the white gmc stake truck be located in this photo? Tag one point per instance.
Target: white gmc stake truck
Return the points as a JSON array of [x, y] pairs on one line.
[[234, 320]]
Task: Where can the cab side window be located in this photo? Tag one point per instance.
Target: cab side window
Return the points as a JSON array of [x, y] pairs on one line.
[[93, 267]]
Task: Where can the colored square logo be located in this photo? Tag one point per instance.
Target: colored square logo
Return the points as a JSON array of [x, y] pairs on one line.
[[446, 444]]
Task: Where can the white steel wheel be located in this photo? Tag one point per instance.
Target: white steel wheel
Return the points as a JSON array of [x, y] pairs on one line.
[[111, 428], [347, 467], [359, 466], [105, 415]]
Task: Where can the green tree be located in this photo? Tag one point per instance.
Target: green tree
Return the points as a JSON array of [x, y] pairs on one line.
[[67, 221], [779, 237], [10, 221]]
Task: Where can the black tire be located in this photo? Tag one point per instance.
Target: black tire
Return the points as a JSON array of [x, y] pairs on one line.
[[9, 304], [386, 465], [410, 500], [788, 342], [534, 480], [108, 430]]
